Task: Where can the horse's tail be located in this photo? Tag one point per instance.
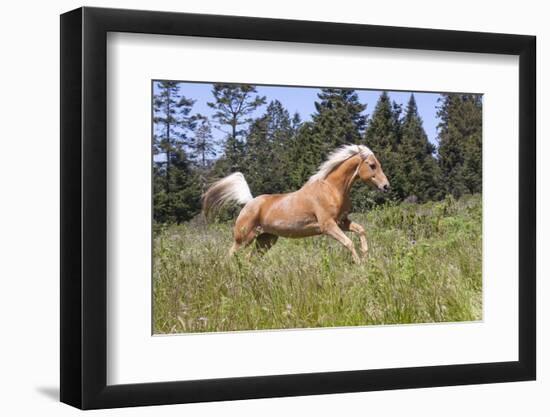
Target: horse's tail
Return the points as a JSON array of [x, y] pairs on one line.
[[231, 188]]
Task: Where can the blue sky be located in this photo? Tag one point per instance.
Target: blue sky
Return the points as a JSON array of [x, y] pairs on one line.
[[302, 99]]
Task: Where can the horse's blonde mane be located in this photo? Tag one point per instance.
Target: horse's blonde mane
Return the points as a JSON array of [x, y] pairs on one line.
[[338, 156]]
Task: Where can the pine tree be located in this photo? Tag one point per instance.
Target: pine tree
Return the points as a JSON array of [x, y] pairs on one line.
[[174, 196], [473, 149], [304, 155], [233, 105], [266, 150], [202, 144], [460, 146], [281, 130], [185, 190], [295, 123], [382, 136], [417, 166], [171, 119], [257, 165], [338, 119]]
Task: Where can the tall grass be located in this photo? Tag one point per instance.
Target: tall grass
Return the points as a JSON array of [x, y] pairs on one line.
[[424, 265]]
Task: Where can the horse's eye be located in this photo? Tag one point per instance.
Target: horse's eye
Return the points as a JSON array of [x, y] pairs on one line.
[[372, 166]]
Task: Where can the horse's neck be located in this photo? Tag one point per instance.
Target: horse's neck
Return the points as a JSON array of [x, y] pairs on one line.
[[343, 177]]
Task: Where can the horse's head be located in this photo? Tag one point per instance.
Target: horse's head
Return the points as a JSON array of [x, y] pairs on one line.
[[370, 171]]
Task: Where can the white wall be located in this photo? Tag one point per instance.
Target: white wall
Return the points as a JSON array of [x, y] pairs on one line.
[[29, 223]]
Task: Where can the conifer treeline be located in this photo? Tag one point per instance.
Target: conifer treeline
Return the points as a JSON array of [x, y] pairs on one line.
[[277, 152]]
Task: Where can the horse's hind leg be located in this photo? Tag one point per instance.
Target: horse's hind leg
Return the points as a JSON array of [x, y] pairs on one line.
[[242, 242], [264, 242], [245, 231], [234, 248]]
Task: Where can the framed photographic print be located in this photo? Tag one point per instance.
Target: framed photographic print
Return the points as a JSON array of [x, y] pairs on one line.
[[256, 208]]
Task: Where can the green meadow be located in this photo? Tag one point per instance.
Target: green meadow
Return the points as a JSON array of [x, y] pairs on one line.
[[423, 266]]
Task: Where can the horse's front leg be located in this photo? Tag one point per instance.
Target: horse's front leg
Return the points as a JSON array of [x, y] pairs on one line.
[[330, 228], [349, 226]]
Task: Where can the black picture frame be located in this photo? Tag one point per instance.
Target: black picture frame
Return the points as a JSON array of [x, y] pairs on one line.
[[84, 207]]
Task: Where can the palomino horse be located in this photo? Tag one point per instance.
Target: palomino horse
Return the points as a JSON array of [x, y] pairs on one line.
[[321, 206]]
